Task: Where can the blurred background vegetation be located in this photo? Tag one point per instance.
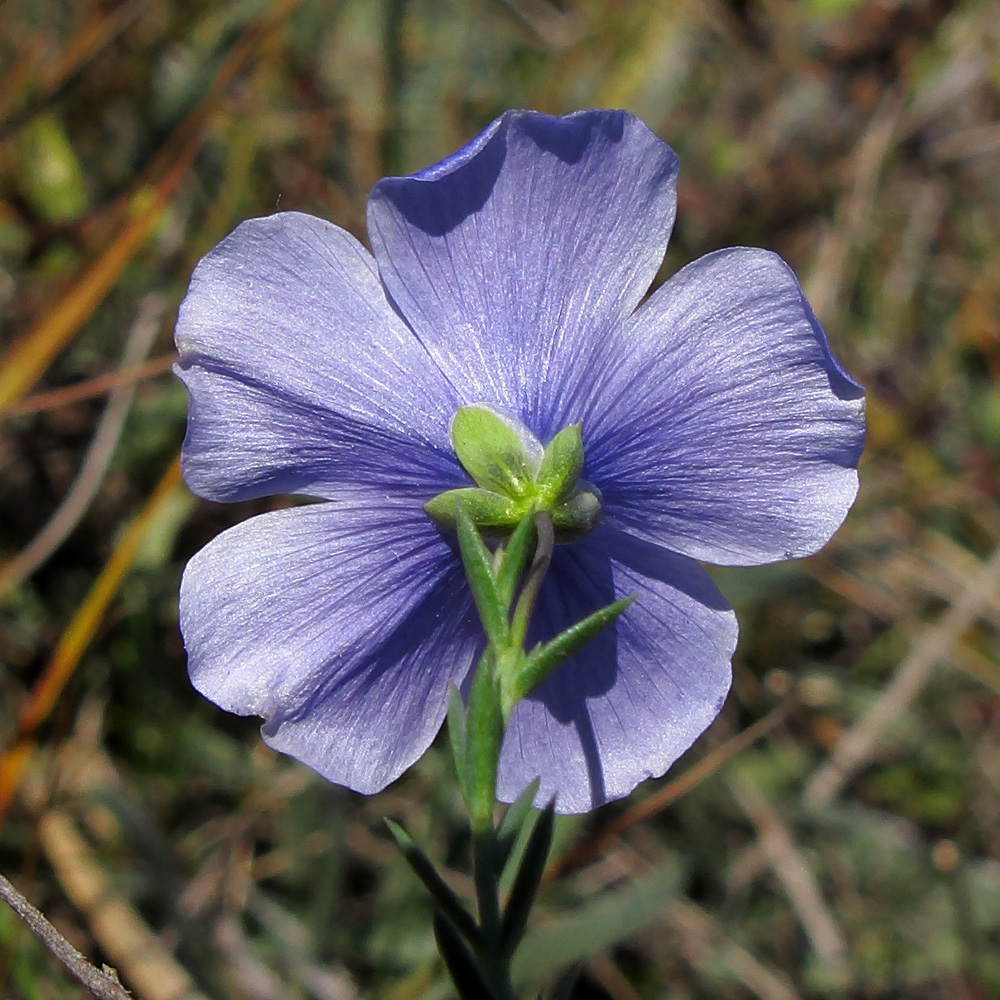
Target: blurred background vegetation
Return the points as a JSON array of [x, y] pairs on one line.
[[837, 832]]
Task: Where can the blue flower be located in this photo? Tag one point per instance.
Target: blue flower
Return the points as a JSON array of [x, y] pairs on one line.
[[716, 423]]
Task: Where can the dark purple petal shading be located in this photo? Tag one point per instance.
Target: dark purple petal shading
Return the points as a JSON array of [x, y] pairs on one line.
[[728, 431], [514, 258], [343, 625], [302, 377], [633, 700]]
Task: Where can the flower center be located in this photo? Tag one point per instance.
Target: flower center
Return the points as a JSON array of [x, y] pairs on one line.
[[516, 476]]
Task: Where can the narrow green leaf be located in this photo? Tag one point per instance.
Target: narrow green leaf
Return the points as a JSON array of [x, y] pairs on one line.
[[458, 735], [527, 880], [484, 734], [440, 891], [596, 925], [478, 564], [513, 819], [462, 966], [539, 664], [542, 661], [515, 557], [493, 449]]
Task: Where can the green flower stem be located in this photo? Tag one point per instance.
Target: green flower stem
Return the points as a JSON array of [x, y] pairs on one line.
[[493, 956], [512, 560], [505, 585], [483, 736], [493, 587], [494, 582], [544, 545]]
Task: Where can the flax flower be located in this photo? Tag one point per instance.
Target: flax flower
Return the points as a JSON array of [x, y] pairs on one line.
[[717, 426]]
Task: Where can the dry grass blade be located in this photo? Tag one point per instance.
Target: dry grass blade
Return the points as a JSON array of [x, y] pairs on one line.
[[555, 27], [31, 355], [931, 646], [795, 876], [92, 37], [79, 633], [637, 63], [18, 75], [83, 771], [95, 463], [42, 77], [703, 943], [604, 970], [98, 386], [119, 929], [829, 275]]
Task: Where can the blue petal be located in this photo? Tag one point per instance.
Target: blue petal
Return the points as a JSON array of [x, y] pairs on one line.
[[728, 432], [302, 377], [631, 702], [514, 258], [342, 625]]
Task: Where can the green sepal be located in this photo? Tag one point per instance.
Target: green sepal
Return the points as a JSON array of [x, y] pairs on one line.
[[538, 665], [478, 562], [444, 898], [458, 736], [493, 451], [510, 825], [484, 734], [515, 557], [527, 880], [463, 968], [490, 512], [561, 465]]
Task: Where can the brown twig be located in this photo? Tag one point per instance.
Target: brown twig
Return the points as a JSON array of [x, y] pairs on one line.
[[102, 984], [97, 386]]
